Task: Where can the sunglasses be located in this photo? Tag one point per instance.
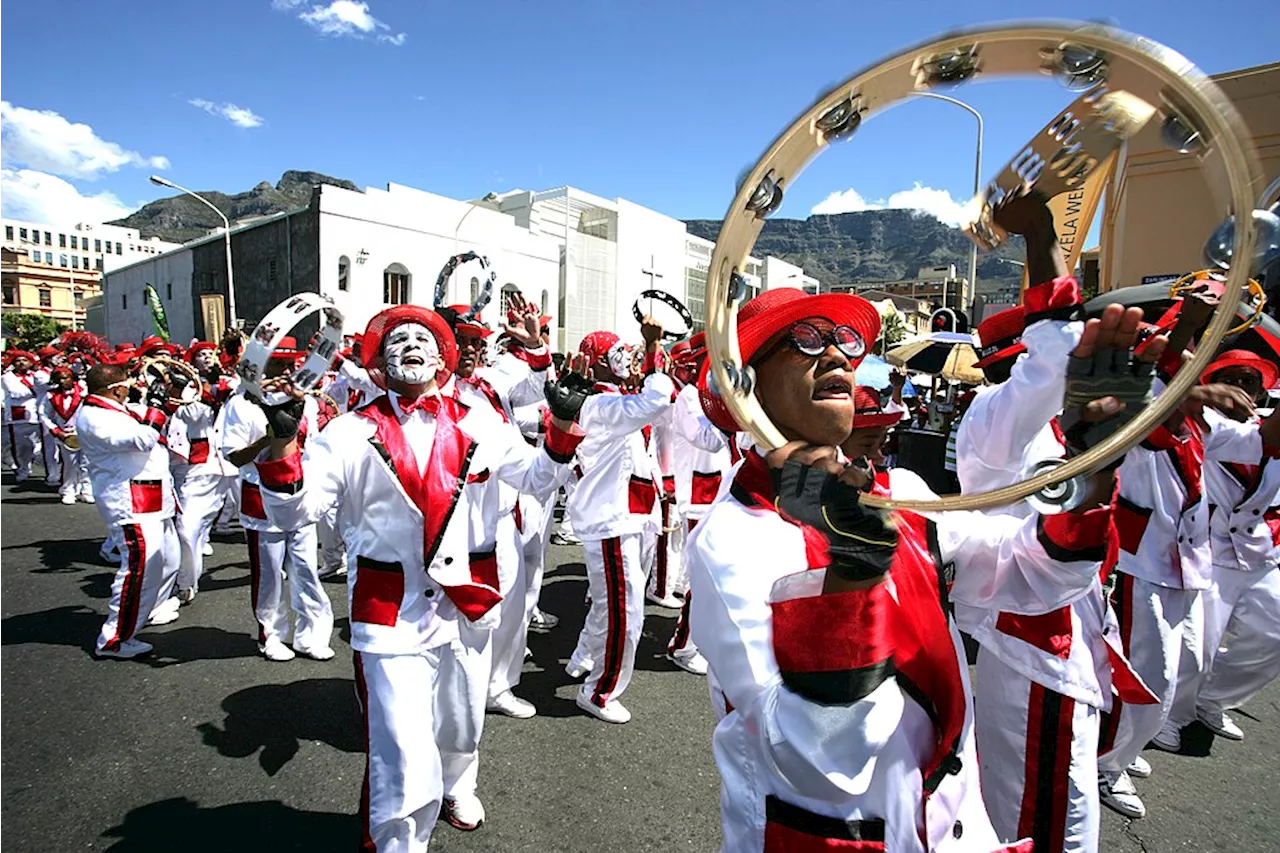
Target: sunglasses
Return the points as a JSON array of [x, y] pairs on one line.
[[810, 341]]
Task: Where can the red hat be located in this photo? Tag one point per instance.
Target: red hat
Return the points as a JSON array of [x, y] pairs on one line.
[[597, 344], [48, 352], [125, 347], [14, 354], [472, 328], [385, 321], [150, 343], [1243, 358], [679, 347], [61, 371], [198, 348], [1001, 337], [288, 348], [867, 412], [775, 311]]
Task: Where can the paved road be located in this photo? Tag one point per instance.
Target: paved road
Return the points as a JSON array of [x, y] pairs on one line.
[[208, 747]]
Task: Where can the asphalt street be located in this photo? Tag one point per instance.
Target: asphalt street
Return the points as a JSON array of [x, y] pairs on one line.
[[207, 746]]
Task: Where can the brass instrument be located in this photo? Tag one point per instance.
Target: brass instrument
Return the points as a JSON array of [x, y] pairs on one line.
[[1129, 82], [164, 367]]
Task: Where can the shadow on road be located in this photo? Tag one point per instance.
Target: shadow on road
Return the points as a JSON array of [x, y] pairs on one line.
[[63, 555], [77, 626], [273, 718], [180, 823]]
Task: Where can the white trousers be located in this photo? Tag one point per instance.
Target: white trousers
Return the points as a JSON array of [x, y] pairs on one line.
[[1038, 760], [535, 555], [423, 715], [1152, 619], [1243, 624], [512, 632], [51, 448], [666, 562], [23, 441], [272, 556], [230, 505], [201, 497], [333, 551], [681, 644], [73, 469], [611, 633], [151, 555]]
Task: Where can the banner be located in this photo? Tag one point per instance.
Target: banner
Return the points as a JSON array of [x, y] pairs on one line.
[[1073, 214], [214, 313], [158, 319]]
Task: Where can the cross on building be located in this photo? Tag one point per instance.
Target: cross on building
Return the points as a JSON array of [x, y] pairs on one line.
[[653, 274]]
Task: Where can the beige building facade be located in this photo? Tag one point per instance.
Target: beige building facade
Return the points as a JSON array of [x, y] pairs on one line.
[[1160, 209], [38, 288]]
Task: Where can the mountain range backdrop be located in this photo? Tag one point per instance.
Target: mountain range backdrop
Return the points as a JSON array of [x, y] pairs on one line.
[[836, 249]]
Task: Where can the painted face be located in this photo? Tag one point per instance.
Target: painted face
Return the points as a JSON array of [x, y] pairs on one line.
[[412, 355], [204, 360], [619, 359]]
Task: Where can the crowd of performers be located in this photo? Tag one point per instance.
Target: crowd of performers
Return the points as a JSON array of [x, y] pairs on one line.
[[429, 468]]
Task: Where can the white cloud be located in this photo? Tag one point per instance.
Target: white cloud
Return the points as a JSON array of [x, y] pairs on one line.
[[239, 116], [351, 18], [41, 197], [922, 199], [44, 141]]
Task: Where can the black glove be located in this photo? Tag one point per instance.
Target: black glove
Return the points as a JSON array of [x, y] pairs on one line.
[[860, 541], [1107, 373], [566, 395], [157, 394], [283, 420]]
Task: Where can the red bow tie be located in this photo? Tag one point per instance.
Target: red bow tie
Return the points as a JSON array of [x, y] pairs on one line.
[[429, 404]]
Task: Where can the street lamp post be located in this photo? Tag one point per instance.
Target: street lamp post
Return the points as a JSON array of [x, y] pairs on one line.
[[977, 178], [226, 234], [488, 198]]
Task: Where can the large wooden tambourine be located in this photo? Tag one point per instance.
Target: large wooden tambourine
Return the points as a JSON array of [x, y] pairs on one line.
[[1131, 81], [274, 328]]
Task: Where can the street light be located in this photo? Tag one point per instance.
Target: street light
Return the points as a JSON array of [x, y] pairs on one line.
[[489, 198], [977, 181], [226, 234]]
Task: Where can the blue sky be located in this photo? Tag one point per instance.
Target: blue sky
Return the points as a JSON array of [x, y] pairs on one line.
[[660, 102]]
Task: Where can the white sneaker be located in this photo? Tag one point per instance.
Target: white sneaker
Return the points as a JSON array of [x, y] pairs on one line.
[[322, 653], [542, 622], [576, 670], [186, 596], [1141, 768], [670, 602], [612, 712], [165, 612], [68, 499], [332, 572], [1117, 793], [275, 650], [512, 705], [207, 550], [559, 538], [464, 812], [1220, 724], [87, 498], [1169, 737], [694, 663], [128, 649]]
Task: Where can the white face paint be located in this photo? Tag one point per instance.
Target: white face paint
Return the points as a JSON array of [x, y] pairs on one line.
[[204, 360], [619, 358], [412, 354]]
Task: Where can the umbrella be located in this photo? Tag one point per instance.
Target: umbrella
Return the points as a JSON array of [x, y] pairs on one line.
[[947, 354], [874, 372]]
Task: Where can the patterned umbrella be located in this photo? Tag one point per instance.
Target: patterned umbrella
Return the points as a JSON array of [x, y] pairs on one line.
[[947, 354]]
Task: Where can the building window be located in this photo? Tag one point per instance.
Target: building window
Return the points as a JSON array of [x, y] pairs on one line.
[[46, 297], [508, 290], [33, 257], [124, 302], [169, 291], [10, 295], [344, 273], [22, 233], [97, 245], [395, 285], [546, 299], [75, 242], [271, 270], [62, 241], [97, 264], [8, 234], [75, 262], [48, 238], [118, 252], [48, 258], [62, 261]]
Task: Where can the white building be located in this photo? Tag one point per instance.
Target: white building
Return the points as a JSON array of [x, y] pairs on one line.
[[84, 246], [367, 250]]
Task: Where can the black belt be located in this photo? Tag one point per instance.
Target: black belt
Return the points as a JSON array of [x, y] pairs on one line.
[[803, 820]]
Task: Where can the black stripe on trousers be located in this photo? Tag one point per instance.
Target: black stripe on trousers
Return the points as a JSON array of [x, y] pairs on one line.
[[616, 631]]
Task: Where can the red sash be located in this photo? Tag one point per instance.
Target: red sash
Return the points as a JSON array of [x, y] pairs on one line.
[[66, 404], [488, 392]]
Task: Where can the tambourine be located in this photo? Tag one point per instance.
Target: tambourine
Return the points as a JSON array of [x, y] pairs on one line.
[[163, 367], [486, 288], [686, 316], [1132, 81], [274, 328]]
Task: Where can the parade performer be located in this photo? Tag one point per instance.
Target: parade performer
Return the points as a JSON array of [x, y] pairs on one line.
[[392, 479], [277, 552], [824, 623], [219, 386], [58, 413], [21, 411], [612, 504], [129, 467], [1242, 603], [51, 358]]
